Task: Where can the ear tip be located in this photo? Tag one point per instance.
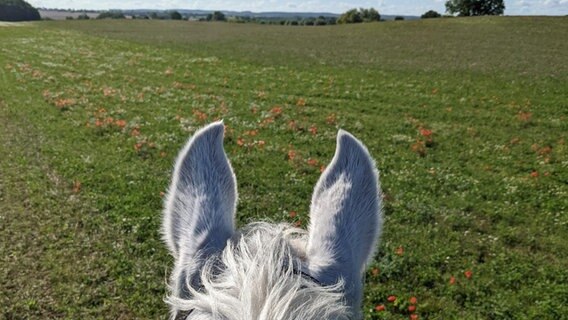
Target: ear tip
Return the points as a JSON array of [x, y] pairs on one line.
[[345, 136], [215, 126], [213, 130], [346, 140]]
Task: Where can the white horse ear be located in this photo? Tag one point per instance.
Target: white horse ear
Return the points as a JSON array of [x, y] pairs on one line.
[[345, 218], [199, 212]]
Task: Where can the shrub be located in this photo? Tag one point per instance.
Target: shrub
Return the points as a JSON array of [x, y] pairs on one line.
[[216, 16], [430, 14], [174, 15], [359, 15], [111, 15], [351, 16]]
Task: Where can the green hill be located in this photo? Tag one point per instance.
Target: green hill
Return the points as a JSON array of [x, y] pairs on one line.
[[17, 10]]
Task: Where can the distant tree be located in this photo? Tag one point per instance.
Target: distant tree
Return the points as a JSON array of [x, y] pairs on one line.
[[320, 21], [83, 16], [308, 22], [17, 10], [430, 14], [350, 16], [216, 16], [359, 15], [370, 15], [174, 15], [398, 18], [154, 15], [111, 15], [475, 7]]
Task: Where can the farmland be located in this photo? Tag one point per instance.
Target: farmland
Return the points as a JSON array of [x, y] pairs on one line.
[[466, 118]]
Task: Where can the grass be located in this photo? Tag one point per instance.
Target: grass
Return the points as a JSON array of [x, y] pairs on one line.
[[465, 117]]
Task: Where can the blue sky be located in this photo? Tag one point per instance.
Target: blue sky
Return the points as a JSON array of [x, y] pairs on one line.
[[407, 7]]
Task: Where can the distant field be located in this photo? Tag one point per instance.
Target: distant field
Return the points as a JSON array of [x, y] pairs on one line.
[[467, 119], [508, 45], [62, 15]]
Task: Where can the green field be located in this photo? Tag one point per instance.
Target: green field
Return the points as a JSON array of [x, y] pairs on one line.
[[466, 118]]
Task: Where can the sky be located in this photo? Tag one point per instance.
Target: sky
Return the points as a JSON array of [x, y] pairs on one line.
[[400, 7]]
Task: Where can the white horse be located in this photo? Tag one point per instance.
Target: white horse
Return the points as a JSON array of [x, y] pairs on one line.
[[267, 271]]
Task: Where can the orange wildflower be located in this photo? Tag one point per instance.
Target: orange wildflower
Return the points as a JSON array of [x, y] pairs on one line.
[[400, 251], [108, 91], [76, 186], [380, 307], [120, 123], [426, 133], [524, 116], [331, 119], [292, 125], [545, 151], [313, 129], [312, 162], [419, 148], [251, 133], [201, 116], [291, 154], [267, 121]]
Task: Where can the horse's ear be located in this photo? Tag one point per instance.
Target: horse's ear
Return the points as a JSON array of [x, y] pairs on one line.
[[345, 218], [199, 212]]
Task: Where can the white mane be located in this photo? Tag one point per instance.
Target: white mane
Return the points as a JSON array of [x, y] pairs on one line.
[[269, 272], [259, 276]]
